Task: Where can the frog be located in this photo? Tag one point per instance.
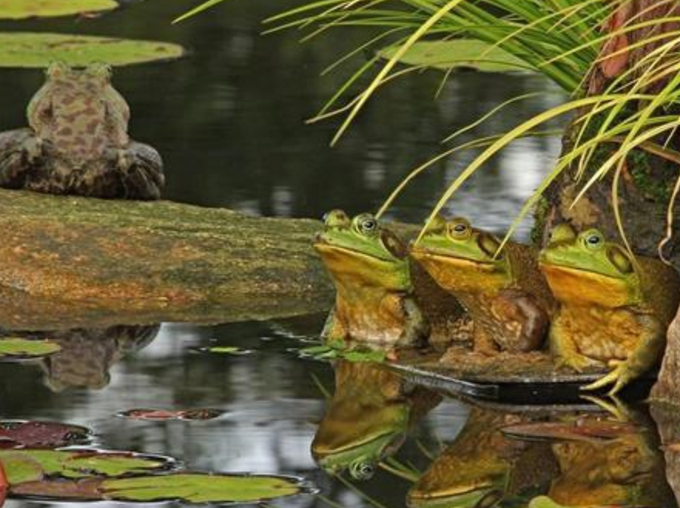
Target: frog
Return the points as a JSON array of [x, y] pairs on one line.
[[614, 307], [77, 141], [368, 418], [483, 467], [504, 292]]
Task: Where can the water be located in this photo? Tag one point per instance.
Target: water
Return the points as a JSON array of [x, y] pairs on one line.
[[229, 121]]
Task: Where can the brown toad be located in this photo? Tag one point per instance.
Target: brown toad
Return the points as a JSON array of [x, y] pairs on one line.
[[77, 141]]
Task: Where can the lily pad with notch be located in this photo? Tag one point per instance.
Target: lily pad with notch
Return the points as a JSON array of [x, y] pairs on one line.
[[39, 49], [19, 348], [194, 487], [34, 434], [23, 9], [165, 415]]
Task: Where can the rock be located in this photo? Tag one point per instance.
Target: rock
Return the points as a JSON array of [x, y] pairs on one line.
[[78, 262], [667, 387]]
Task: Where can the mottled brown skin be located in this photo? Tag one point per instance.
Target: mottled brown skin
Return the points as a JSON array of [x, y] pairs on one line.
[[507, 298], [614, 309], [77, 141]]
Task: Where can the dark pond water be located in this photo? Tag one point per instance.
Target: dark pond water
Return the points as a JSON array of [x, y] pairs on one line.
[[229, 121]]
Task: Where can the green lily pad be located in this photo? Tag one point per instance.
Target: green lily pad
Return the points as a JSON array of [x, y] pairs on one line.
[[458, 53], [18, 348], [22, 9], [31, 465], [37, 50], [334, 351], [201, 488]]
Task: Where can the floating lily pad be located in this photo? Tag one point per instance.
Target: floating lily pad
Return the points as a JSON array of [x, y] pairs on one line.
[[202, 488], [224, 350], [87, 489], [571, 431], [36, 50], [31, 465], [333, 351], [16, 348], [458, 53], [30, 434], [163, 415], [22, 9]]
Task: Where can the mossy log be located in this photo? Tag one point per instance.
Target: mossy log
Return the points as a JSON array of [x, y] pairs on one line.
[[78, 262]]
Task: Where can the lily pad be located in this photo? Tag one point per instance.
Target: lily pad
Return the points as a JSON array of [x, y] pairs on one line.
[[31, 465], [22, 9], [458, 53], [334, 351], [224, 350], [202, 488], [31, 434], [164, 415], [16, 348], [37, 50]]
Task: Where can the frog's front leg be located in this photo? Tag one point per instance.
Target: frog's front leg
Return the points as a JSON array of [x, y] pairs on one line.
[[140, 168], [19, 149], [643, 357], [564, 348], [334, 330]]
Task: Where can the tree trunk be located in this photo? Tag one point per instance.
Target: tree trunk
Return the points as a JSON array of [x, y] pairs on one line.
[[646, 181]]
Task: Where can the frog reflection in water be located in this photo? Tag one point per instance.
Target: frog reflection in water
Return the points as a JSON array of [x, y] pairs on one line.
[[86, 355], [367, 419], [377, 289], [78, 142], [504, 292], [483, 467], [614, 309]]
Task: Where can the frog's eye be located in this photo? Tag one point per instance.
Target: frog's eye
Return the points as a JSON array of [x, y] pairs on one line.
[[459, 229], [593, 239], [367, 224], [361, 470], [620, 259]]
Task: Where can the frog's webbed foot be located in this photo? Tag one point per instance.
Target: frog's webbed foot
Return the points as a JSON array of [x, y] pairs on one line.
[[576, 361], [141, 170], [616, 407], [620, 376]]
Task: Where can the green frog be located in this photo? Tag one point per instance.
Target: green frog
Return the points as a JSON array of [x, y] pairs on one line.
[[380, 297], [504, 292], [614, 308], [483, 467], [77, 141], [368, 418]]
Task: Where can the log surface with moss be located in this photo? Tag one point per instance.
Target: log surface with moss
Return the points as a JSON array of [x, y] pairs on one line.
[[76, 261]]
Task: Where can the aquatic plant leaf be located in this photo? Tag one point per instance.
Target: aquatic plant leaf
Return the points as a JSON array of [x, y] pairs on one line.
[[22, 9], [31, 465], [36, 50], [200, 488], [163, 415], [86, 489], [458, 53], [31, 434], [571, 431], [19, 348], [333, 351]]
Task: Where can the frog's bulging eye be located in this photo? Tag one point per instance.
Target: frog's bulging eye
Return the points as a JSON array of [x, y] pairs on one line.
[[361, 471], [593, 240], [620, 260], [459, 229], [368, 225]]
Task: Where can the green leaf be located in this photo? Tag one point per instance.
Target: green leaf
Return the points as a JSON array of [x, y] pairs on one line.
[[37, 50], [21, 9], [24, 348], [458, 53], [200, 488]]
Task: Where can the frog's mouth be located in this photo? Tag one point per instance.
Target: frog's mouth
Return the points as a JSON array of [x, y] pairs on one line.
[[443, 257], [464, 496], [371, 449], [323, 246]]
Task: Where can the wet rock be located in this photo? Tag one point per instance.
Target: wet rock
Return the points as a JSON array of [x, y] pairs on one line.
[[667, 387], [79, 262]]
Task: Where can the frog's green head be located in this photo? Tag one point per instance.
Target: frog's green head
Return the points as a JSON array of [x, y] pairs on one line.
[[459, 256], [362, 248], [586, 267]]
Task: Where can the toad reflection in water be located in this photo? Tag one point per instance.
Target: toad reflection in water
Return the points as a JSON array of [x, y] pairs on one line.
[[78, 142], [368, 418], [86, 355]]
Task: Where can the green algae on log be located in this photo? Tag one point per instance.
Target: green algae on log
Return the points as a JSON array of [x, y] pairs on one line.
[[75, 261]]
